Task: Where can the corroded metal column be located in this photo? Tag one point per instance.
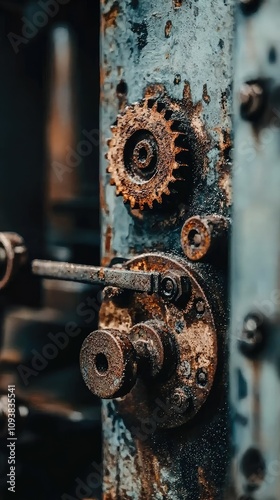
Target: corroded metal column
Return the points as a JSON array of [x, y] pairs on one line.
[[255, 348], [167, 61]]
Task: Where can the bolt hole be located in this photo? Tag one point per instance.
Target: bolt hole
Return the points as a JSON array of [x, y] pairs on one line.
[[122, 88], [101, 363], [194, 238], [272, 55], [253, 466], [143, 154], [177, 4]]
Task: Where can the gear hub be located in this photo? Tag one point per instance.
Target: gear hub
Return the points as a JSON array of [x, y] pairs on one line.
[[147, 152]]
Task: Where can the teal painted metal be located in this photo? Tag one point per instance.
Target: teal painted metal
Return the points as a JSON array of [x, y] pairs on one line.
[[185, 46], [255, 255]]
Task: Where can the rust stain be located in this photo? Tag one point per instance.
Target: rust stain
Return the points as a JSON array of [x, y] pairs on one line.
[[224, 164], [205, 96], [194, 112], [207, 491], [108, 239], [168, 29], [177, 4], [101, 274], [109, 19], [103, 204], [149, 471]]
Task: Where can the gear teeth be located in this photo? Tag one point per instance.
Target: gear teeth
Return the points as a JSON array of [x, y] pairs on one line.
[[151, 103], [178, 150], [168, 114], [164, 183], [161, 106]]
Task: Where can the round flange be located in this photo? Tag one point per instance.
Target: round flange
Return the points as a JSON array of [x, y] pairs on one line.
[[108, 363], [177, 399]]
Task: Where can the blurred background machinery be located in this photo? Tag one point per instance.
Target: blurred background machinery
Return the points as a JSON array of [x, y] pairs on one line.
[[49, 194]]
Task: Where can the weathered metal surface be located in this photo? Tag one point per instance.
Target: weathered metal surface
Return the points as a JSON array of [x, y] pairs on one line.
[[255, 349], [179, 51], [94, 275]]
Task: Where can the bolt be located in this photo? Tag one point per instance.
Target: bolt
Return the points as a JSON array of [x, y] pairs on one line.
[[249, 6], [252, 338], [181, 400], [200, 306], [169, 288], [204, 237], [251, 97], [201, 377], [175, 286]]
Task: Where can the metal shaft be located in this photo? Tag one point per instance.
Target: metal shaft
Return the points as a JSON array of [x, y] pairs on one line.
[[139, 281]]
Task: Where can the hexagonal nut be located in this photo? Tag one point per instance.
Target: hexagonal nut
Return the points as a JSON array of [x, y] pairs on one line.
[[175, 286]]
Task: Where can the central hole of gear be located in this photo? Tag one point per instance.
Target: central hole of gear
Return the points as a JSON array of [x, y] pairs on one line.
[[194, 238], [101, 363], [141, 156]]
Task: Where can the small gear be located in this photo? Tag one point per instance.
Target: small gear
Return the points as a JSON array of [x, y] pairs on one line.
[[147, 152]]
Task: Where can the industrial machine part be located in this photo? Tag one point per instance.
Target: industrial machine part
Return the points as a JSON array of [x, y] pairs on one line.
[[148, 153], [167, 334]]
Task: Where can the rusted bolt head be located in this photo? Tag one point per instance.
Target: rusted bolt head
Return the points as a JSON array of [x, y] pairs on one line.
[[181, 400], [196, 238], [200, 236], [202, 377], [156, 349], [200, 306], [175, 286], [251, 97], [253, 334], [108, 364]]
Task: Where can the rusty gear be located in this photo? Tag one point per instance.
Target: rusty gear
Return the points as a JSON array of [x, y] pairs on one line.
[[146, 152]]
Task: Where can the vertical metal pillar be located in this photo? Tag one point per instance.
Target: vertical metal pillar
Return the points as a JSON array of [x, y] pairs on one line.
[[255, 346], [186, 47]]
